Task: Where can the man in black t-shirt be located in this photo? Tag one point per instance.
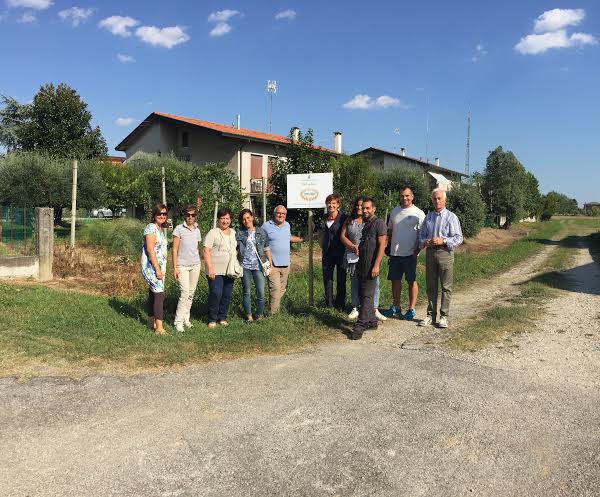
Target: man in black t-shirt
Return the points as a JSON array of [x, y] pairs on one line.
[[370, 253]]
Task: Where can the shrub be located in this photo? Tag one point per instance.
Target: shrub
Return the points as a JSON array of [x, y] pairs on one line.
[[466, 202], [390, 182], [119, 237]]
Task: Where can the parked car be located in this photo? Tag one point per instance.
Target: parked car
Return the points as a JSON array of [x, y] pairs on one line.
[[101, 212]]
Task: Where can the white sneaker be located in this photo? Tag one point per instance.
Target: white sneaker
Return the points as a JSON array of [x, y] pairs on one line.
[[379, 316], [353, 314], [187, 324], [443, 322], [179, 327], [428, 321]]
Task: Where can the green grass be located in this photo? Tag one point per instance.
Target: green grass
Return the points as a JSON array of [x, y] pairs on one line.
[[51, 327], [119, 237]]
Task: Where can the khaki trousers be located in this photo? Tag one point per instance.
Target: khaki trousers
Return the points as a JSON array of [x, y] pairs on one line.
[[439, 268], [188, 281], [278, 278]]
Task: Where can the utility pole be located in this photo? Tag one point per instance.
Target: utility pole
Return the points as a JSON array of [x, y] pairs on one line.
[[272, 89], [73, 205]]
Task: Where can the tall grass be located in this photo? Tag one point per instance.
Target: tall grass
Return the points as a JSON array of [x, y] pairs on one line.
[[119, 237]]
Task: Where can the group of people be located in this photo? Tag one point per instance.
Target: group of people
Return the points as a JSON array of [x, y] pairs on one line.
[[353, 244]]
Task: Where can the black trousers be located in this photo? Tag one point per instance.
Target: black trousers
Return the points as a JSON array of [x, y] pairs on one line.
[[329, 264], [366, 318]]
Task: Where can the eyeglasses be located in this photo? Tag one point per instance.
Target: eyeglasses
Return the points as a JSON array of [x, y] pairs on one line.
[[190, 214]]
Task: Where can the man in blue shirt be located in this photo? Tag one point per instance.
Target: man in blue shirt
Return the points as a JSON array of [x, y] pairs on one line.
[[440, 234], [279, 234]]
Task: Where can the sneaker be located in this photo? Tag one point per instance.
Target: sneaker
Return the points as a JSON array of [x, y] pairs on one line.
[[443, 322], [187, 324], [353, 314], [356, 335], [392, 312], [379, 316], [410, 314], [428, 321], [179, 327]]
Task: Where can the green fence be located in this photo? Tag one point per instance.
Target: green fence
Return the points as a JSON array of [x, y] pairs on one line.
[[17, 231]]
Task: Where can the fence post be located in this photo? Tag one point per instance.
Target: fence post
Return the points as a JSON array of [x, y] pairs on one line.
[[74, 205], [44, 225]]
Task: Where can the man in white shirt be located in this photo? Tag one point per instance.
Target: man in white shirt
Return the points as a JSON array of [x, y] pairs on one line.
[[403, 235]]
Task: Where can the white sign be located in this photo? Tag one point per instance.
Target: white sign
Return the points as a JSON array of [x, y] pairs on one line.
[[308, 191]]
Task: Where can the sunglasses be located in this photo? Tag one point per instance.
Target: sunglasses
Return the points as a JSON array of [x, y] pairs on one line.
[[162, 213], [190, 214]]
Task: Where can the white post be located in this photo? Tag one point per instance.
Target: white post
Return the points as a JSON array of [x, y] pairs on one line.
[[264, 199], [215, 216], [164, 188], [74, 204]]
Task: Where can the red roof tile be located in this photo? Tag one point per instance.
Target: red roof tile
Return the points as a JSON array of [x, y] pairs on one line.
[[226, 129]]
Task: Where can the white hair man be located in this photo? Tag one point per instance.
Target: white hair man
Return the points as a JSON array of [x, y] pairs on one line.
[[440, 235]]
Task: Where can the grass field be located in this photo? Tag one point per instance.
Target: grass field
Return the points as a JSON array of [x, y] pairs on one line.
[[50, 327]]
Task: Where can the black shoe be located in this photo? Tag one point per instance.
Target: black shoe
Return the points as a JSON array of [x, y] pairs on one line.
[[372, 326], [356, 335]]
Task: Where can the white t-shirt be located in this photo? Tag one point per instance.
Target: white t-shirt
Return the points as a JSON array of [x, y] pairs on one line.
[[405, 225]]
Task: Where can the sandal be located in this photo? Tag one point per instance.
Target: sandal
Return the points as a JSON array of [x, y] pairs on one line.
[[161, 332], [223, 323], [212, 325]]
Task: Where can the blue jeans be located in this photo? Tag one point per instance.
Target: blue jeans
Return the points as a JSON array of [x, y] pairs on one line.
[[259, 283], [219, 297], [355, 289]]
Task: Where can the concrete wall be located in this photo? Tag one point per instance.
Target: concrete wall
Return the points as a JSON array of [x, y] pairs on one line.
[[38, 266], [149, 141]]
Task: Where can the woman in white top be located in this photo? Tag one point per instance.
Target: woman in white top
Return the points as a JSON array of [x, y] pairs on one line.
[[219, 247], [186, 265]]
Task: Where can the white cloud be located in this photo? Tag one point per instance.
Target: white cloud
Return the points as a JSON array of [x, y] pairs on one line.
[[223, 15], [286, 14], [30, 4], [27, 18], [162, 37], [119, 25], [365, 102], [75, 15], [125, 59], [539, 43], [480, 51], [220, 29], [555, 19], [124, 121]]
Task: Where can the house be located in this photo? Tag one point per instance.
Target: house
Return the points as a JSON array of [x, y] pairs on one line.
[[591, 207], [437, 176], [248, 153]]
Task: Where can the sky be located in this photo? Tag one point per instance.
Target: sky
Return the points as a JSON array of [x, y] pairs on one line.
[[387, 74]]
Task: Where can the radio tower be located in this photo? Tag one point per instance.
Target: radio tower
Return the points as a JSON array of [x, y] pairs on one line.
[[468, 155]]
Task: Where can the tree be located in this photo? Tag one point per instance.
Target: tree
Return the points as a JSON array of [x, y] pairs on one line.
[[466, 202], [59, 123], [12, 115], [558, 203], [504, 186], [353, 175], [32, 179], [300, 157], [533, 198]]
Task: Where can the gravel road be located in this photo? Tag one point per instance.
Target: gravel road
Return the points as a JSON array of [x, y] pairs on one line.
[[364, 418]]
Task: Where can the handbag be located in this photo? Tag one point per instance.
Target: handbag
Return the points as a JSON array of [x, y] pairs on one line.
[[234, 268], [265, 267]]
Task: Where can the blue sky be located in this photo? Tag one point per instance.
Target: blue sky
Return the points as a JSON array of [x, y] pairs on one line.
[[530, 72]]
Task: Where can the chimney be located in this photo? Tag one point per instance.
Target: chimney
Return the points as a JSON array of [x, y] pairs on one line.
[[337, 141], [237, 120], [437, 162], [402, 151], [295, 134]]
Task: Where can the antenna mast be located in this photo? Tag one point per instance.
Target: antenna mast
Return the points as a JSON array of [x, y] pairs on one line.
[[271, 88], [468, 154]]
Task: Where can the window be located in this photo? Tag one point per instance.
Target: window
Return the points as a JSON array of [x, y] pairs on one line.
[[185, 138], [256, 166]]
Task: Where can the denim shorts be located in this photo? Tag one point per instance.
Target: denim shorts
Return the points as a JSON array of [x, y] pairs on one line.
[[399, 266]]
